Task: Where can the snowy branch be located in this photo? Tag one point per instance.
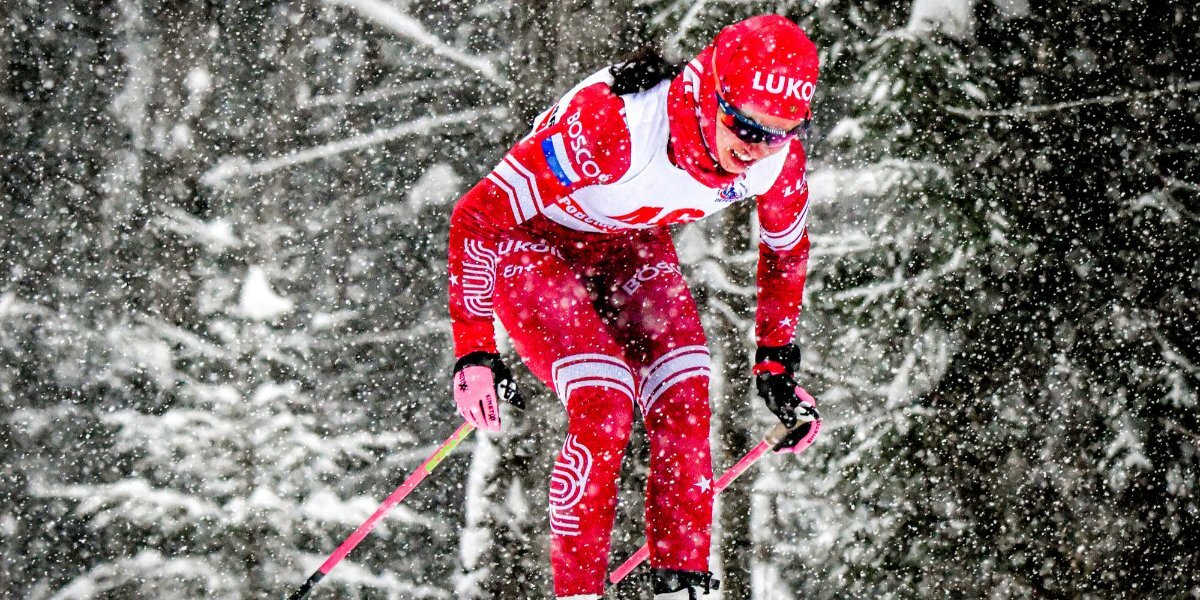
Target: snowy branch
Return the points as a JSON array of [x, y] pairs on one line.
[[12, 307], [133, 501], [731, 316], [1163, 201], [432, 327], [686, 24], [353, 576], [714, 274], [871, 293], [827, 185], [1178, 428], [191, 344], [405, 26], [1174, 356], [231, 167], [840, 245], [148, 564], [377, 95], [1034, 109]]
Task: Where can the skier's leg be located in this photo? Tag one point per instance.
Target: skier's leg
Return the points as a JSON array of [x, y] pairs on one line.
[[551, 319], [655, 318]]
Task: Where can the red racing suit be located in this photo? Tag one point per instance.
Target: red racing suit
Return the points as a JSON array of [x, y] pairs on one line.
[[565, 242]]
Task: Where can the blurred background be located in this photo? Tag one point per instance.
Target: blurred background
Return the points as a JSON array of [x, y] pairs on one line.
[[224, 336]]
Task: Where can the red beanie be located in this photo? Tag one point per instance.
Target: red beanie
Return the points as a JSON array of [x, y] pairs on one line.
[[765, 63]]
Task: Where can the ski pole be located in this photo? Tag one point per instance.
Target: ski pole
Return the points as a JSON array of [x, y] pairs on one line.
[[417, 476], [773, 437]]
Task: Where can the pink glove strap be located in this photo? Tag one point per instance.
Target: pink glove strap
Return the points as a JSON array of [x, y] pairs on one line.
[[813, 429], [475, 395]]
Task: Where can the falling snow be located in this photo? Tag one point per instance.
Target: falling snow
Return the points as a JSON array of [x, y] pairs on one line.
[[224, 336]]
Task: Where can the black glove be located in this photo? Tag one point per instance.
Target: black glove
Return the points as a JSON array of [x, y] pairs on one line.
[[774, 376]]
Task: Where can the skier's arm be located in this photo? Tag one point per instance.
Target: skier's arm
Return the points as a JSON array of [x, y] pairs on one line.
[[583, 141], [782, 252]]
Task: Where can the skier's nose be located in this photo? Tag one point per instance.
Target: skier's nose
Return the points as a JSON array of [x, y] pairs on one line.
[[758, 151]]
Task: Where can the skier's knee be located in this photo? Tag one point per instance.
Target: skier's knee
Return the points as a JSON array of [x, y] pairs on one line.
[[577, 372], [677, 383]]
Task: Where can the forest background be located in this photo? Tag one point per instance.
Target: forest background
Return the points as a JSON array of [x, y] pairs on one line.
[[224, 336]]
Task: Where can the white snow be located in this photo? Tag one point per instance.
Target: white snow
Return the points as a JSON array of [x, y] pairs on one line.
[[237, 166], [199, 83], [828, 185], [133, 501], [130, 105], [1013, 8], [138, 350], [439, 185], [258, 301], [326, 506], [476, 537], [152, 570], [214, 236], [847, 128], [401, 24], [198, 80], [949, 16]]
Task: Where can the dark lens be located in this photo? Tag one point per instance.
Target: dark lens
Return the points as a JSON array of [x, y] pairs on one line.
[[749, 134], [747, 130]]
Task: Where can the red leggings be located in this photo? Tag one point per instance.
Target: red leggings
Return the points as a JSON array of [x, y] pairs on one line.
[[607, 322]]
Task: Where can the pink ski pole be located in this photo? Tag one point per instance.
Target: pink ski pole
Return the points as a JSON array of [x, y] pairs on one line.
[[426, 468], [777, 433]]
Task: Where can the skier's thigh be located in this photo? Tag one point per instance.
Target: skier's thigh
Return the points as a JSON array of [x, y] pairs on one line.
[[653, 310], [548, 312]]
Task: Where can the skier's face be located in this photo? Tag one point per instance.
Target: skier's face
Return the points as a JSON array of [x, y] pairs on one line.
[[735, 154]]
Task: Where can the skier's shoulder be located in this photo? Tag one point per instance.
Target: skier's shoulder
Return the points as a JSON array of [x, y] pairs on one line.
[[584, 136], [589, 108]]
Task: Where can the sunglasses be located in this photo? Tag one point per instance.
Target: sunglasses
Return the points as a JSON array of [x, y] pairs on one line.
[[752, 132]]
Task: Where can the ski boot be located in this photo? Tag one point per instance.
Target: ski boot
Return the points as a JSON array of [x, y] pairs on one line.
[[670, 584]]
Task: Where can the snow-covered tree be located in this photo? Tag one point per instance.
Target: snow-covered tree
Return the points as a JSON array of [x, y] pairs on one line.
[[219, 308], [998, 333], [223, 334]]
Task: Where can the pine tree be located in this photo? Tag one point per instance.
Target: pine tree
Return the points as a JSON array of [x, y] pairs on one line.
[[984, 320], [219, 359]]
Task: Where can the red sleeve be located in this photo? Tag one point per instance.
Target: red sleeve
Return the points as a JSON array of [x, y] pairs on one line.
[[782, 252], [581, 141]]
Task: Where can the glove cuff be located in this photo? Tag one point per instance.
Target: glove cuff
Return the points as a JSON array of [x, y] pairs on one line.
[[777, 360], [478, 358]]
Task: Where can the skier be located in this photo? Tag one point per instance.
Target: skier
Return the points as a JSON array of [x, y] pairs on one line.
[[566, 242]]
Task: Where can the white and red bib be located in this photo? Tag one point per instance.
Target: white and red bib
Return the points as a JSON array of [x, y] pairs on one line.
[[600, 163]]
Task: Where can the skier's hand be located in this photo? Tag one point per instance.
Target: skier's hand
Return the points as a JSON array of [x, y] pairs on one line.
[[481, 381], [774, 376], [808, 425]]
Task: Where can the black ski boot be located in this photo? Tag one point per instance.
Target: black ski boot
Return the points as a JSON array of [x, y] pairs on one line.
[[667, 581]]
